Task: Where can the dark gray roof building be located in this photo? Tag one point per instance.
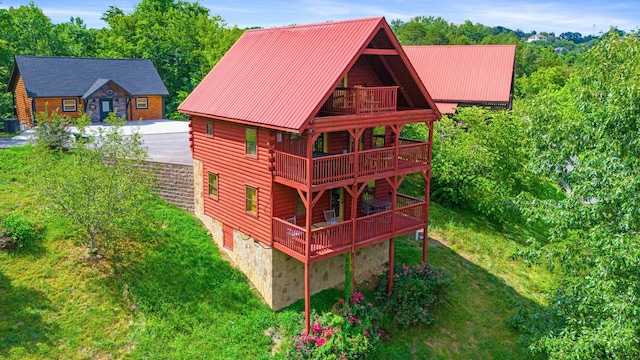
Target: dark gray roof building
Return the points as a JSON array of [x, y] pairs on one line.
[[67, 76]]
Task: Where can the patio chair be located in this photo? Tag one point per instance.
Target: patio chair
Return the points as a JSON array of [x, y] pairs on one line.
[[330, 217], [293, 234]]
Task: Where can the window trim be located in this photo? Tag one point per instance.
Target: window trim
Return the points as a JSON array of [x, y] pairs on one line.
[[146, 103], [247, 199], [217, 185], [209, 129], [75, 105], [246, 142]]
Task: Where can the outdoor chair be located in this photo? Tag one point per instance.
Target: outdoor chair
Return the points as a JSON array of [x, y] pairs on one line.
[[330, 217]]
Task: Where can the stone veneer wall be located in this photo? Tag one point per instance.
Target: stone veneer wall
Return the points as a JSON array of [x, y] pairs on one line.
[[174, 183], [278, 277]]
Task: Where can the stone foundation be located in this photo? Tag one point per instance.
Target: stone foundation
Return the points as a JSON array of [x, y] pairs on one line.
[[278, 277]]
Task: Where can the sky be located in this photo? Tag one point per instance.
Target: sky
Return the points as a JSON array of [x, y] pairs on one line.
[[584, 16]]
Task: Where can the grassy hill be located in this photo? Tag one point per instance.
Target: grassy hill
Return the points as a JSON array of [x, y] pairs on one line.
[[179, 299]]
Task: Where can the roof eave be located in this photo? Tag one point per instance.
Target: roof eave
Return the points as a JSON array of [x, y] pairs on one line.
[[240, 121]]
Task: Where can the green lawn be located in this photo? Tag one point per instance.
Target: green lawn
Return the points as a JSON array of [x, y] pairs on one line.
[[179, 299]]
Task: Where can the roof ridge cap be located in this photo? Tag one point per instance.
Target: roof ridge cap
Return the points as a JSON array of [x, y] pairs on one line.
[[329, 22]]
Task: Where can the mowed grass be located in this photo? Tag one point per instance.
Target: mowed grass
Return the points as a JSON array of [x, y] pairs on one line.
[[489, 287], [180, 300]]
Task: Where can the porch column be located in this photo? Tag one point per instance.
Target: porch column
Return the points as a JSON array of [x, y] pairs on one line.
[[391, 265], [308, 217], [427, 194]]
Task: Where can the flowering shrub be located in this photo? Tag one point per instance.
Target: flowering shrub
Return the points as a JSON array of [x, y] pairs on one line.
[[348, 331], [416, 289]]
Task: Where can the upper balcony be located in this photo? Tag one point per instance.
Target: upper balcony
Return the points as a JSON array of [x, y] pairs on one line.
[[409, 156], [361, 100]]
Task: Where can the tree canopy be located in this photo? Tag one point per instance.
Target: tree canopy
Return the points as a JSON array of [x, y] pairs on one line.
[[183, 40]]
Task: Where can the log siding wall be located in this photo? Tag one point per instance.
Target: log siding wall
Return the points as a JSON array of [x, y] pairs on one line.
[[24, 107], [224, 154]]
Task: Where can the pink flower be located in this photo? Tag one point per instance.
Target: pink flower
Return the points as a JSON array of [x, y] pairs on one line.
[[320, 341]]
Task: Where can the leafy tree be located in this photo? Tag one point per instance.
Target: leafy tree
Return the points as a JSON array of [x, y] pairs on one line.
[[72, 38], [586, 138], [480, 161], [98, 187], [181, 38], [574, 37]]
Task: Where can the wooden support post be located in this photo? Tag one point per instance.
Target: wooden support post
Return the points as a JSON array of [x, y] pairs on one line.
[[307, 298], [427, 194], [391, 265], [309, 203]]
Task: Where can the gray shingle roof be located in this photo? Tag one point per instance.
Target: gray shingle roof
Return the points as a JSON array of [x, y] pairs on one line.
[[66, 76]]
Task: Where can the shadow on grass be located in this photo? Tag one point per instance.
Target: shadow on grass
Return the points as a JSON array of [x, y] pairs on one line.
[[180, 267], [188, 301], [21, 324], [472, 322]]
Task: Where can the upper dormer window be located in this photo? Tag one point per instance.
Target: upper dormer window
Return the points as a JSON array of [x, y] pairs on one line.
[[344, 82]]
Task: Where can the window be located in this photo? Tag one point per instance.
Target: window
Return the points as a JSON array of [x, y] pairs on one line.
[[213, 185], [318, 145], [250, 138], [344, 82], [141, 103], [69, 105], [251, 200], [209, 129]]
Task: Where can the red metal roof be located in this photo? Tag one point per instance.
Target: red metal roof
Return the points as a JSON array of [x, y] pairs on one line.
[[446, 108], [465, 73], [279, 77]]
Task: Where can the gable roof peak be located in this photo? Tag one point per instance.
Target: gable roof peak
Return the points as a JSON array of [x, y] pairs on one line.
[[298, 26], [284, 75]]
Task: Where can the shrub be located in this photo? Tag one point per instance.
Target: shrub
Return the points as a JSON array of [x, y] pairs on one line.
[[347, 331], [416, 290], [20, 230], [54, 130]]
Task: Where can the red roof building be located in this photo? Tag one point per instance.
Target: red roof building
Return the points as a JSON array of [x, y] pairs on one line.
[[298, 154], [466, 75]]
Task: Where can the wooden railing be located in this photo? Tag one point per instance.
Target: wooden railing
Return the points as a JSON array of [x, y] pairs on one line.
[[291, 167], [289, 235], [331, 238], [406, 200], [411, 155], [373, 226], [333, 168], [375, 161], [362, 100], [409, 215]]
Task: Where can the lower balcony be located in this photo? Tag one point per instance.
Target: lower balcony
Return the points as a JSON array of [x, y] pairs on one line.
[[327, 240]]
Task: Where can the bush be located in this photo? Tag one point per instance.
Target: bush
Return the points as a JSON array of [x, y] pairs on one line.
[[54, 130], [416, 290], [20, 230], [348, 331]]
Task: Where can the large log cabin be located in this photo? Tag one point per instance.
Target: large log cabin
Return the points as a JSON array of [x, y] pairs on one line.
[[73, 86], [298, 154]]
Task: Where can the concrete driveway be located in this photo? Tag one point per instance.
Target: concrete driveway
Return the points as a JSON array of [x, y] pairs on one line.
[[166, 140]]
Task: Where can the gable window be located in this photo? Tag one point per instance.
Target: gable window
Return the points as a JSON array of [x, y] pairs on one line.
[[209, 129], [250, 139], [213, 185], [141, 103], [251, 200], [69, 105]]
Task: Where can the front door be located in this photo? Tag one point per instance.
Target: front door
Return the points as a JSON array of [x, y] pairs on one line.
[[106, 106], [337, 202]]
